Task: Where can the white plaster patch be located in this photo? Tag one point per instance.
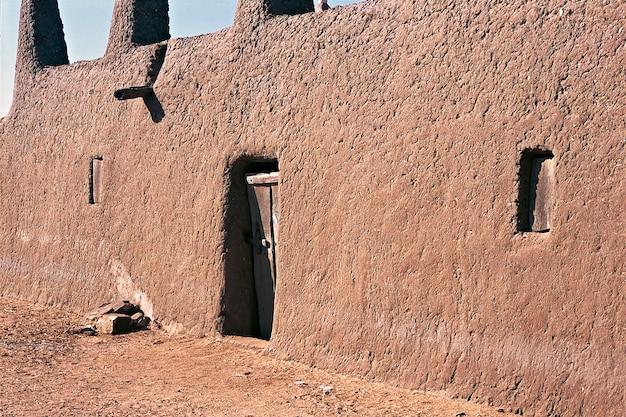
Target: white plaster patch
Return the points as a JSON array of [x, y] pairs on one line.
[[127, 289], [45, 238], [24, 235], [172, 328]]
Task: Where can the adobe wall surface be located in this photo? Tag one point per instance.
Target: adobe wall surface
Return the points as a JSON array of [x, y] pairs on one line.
[[398, 129]]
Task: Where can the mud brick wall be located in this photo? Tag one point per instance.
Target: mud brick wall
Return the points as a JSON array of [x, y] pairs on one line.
[[400, 130]]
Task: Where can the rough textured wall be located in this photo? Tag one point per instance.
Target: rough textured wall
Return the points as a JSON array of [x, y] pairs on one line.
[[398, 129]]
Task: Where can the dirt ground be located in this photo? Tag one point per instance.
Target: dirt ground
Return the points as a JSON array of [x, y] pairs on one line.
[[48, 371]]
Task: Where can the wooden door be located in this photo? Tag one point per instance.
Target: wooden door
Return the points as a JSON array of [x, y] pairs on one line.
[[263, 200]]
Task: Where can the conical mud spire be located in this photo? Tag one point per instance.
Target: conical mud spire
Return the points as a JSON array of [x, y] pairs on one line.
[[41, 42], [291, 7], [138, 22], [251, 12]]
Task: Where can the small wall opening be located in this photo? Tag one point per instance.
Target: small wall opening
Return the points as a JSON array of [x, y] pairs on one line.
[[95, 180], [239, 308], [536, 191]]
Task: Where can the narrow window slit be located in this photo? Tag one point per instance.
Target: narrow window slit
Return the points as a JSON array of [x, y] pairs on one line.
[[536, 191], [95, 180]]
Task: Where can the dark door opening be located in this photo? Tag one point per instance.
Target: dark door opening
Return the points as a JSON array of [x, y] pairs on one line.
[[251, 232]]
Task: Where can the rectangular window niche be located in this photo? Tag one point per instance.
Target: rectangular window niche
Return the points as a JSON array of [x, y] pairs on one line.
[[95, 180], [536, 191]]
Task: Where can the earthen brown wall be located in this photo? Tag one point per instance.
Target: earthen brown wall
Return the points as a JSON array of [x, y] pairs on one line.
[[398, 129]]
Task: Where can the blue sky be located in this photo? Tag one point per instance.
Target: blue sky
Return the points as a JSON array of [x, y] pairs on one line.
[[86, 27]]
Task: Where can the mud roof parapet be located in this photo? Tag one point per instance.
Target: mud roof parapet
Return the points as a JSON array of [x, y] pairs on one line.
[[41, 39], [134, 23]]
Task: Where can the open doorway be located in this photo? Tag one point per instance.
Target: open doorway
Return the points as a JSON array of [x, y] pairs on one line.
[[263, 201], [251, 232]]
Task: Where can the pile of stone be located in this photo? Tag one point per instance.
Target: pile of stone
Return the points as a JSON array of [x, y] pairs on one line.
[[117, 317]]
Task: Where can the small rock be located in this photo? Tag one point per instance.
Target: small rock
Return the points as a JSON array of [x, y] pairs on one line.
[[100, 311], [89, 331], [143, 323], [122, 307], [326, 388], [114, 323], [86, 330]]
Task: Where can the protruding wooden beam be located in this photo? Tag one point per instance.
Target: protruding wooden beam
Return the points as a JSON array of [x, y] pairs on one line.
[[133, 92]]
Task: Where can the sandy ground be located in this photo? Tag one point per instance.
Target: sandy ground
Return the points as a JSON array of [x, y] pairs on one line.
[[46, 371]]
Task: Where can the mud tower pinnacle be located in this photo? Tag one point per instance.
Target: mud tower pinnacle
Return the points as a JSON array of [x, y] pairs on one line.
[[250, 12], [41, 42], [138, 22]]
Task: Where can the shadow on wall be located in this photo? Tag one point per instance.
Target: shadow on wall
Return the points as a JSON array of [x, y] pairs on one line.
[[149, 99], [146, 92], [239, 309]]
